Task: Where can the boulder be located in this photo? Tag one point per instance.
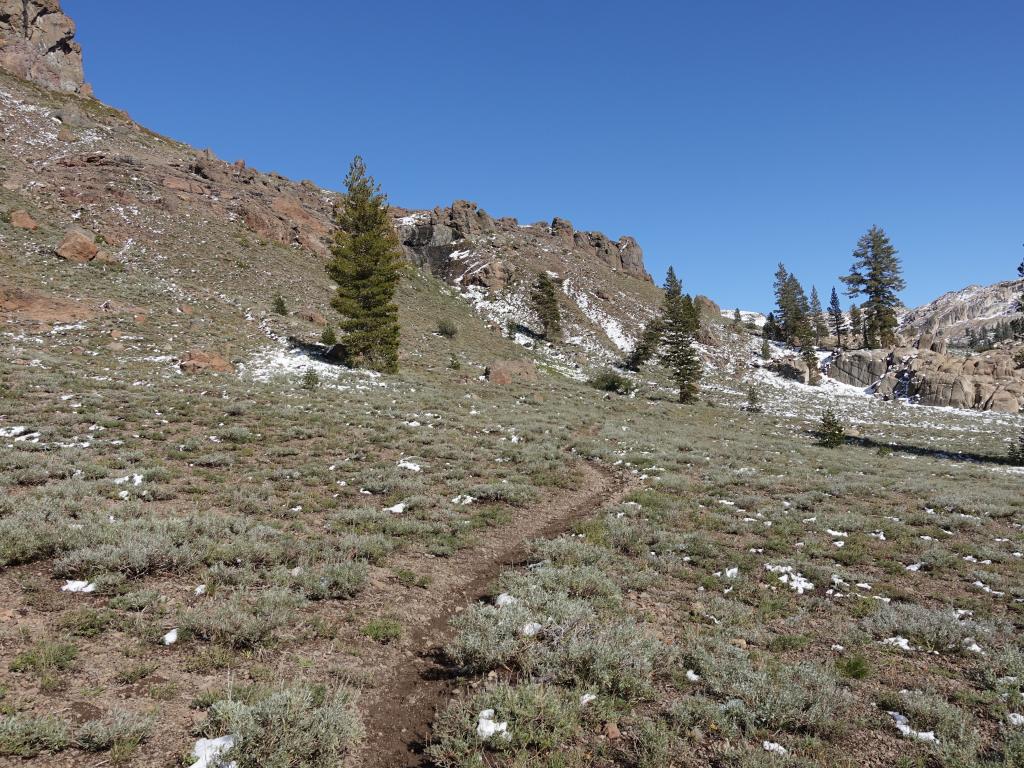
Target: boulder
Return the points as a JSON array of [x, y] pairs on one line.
[[21, 219], [493, 276], [793, 368], [204, 362], [1003, 401], [511, 372], [78, 246], [859, 367]]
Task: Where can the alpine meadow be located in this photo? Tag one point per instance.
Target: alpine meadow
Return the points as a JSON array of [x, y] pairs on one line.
[[294, 476]]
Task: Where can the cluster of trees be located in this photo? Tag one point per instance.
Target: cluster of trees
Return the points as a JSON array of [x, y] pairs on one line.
[[876, 274], [1018, 325], [670, 335]]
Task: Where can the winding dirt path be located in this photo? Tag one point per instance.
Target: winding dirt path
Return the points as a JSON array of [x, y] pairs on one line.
[[398, 712]]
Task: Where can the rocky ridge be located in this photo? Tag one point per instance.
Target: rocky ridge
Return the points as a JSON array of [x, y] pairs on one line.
[[976, 308], [37, 43]]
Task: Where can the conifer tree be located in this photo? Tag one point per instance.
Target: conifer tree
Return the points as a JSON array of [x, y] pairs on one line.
[[545, 304], [679, 324], [1018, 325], [856, 324], [737, 319], [813, 369], [646, 345], [836, 318], [817, 317], [831, 432], [877, 274], [366, 265], [766, 349], [771, 328]]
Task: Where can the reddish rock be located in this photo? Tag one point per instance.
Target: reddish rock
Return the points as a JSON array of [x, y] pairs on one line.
[[22, 220], [183, 185], [78, 246], [511, 372], [204, 362]]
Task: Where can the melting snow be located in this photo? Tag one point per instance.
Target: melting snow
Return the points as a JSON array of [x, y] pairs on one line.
[[487, 727], [207, 752], [903, 726], [78, 586]]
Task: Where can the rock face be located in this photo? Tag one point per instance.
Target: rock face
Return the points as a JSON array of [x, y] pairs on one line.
[[975, 308], [37, 43], [987, 382]]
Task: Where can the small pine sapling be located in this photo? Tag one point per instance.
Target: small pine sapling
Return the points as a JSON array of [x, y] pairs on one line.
[[831, 432]]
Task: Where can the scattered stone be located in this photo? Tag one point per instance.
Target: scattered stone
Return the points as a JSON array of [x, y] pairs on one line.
[[78, 246], [20, 219]]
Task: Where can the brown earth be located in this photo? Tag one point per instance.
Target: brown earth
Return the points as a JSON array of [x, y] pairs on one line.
[[398, 712]]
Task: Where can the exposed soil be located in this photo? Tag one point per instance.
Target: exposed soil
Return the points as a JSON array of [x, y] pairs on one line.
[[399, 711]]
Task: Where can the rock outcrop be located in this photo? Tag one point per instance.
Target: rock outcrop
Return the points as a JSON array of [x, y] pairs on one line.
[[432, 238], [511, 372], [792, 368], [986, 382], [37, 43]]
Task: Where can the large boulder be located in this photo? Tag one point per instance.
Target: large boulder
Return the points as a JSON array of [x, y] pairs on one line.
[[204, 362], [20, 219], [511, 372], [859, 367], [37, 43], [792, 368], [80, 247]]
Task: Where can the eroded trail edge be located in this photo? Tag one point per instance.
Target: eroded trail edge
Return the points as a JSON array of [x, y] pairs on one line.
[[398, 712]]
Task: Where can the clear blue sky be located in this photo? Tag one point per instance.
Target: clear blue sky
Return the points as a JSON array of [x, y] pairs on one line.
[[725, 136]]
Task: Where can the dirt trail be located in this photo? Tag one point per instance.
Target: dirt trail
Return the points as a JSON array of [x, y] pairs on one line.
[[399, 711]]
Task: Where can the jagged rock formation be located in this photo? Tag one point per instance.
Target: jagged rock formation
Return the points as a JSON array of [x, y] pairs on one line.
[[37, 43], [439, 238], [987, 382], [975, 308]]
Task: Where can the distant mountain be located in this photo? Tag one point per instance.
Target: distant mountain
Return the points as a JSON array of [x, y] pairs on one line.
[[975, 308]]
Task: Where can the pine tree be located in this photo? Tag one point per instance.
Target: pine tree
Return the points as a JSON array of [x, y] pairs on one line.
[[545, 304], [753, 400], [679, 324], [836, 318], [328, 338], [876, 273], [817, 317], [366, 265], [278, 305], [1016, 454], [856, 324], [1017, 326], [831, 432], [771, 328], [766, 349], [813, 369], [737, 319], [645, 346]]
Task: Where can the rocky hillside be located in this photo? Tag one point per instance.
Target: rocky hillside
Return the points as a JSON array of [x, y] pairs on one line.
[[976, 308], [81, 182]]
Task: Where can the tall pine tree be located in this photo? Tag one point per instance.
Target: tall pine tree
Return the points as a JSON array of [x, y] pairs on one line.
[[836, 318], [856, 325], [817, 318], [545, 304], [366, 265], [877, 274], [679, 323]]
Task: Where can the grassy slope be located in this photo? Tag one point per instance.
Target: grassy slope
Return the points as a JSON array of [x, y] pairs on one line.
[[238, 491]]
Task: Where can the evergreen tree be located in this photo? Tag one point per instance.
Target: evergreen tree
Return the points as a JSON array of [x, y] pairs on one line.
[[856, 324], [766, 349], [753, 400], [1017, 326], [1016, 454], [679, 319], [876, 273], [813, 369], [794, 310], [817, 318], [836, 318], [278, 305], [328, 338], [771, 328], [366, 265], [545, 304], [646, 345], [737, 319], [831, 433]]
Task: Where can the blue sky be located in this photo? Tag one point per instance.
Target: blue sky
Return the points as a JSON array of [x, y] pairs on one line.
[[725, 136]]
